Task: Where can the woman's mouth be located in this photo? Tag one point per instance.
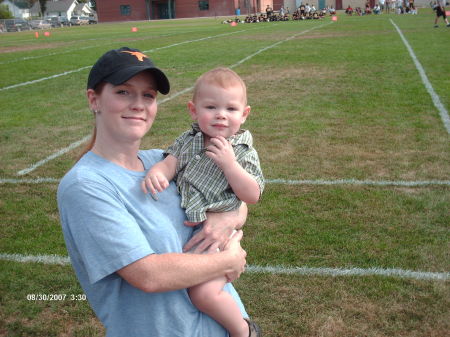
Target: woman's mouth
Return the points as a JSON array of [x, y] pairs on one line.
[[134, 118]]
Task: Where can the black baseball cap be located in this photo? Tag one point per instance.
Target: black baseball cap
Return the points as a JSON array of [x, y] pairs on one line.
[[119, 65]]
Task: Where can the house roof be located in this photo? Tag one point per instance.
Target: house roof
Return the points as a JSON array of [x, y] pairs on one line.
[[79, 7], [59, 6], [21, 4], [55, 6]]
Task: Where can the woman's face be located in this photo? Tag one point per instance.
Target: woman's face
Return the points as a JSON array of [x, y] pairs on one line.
[[126, 111]]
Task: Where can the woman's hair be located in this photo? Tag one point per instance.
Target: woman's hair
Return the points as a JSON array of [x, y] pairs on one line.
[[98, 90], [222, 77]]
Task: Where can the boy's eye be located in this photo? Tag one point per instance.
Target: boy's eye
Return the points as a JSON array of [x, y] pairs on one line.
[[210, 107], [122, 92], [149, 95]]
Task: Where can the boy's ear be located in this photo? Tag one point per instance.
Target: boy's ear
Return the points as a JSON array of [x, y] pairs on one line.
[[192, 110], [245, 113]]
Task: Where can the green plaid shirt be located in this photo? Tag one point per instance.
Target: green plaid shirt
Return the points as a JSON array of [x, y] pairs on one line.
[[201, 183]]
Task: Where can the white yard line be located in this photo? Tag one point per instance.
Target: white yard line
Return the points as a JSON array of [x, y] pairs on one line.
[[44, 78], [30, 181], [399, 183], [391, 272], [53, 156], [70, 147], [27, 58], [434, 96], [308, 271], [145, 51]]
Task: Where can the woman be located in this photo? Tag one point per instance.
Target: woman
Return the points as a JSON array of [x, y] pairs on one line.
[[125, 247]]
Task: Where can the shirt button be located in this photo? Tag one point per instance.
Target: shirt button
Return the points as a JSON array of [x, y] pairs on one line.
[[197, 156]]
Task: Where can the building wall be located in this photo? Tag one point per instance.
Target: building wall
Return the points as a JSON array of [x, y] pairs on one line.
[[190, 8], [109, 10]]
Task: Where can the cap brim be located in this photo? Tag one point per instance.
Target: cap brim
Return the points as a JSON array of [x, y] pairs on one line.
[[124, 75]]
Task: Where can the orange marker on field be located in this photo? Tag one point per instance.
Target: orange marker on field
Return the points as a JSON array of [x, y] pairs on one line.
[[134, 29], [334, 18], [47, 33], [36, 34]]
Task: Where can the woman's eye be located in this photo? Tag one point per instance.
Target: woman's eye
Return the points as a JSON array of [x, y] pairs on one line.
[[149, 95], [122, 92]]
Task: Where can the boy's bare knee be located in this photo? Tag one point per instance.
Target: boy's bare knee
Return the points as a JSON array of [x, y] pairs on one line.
[[202, 297]]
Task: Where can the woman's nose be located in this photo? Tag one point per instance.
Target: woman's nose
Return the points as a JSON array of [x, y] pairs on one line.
[[138, 104]]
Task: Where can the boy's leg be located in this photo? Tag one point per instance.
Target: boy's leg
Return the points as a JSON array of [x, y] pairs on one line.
[[210, 298]]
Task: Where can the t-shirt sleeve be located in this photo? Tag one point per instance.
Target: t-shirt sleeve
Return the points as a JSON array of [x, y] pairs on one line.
[[104, 234], [176, 148]]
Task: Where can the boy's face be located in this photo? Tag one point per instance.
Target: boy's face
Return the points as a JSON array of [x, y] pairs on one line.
[[219, 111]]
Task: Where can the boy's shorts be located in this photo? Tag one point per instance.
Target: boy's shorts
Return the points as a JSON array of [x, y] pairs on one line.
[[197, 229], [440, 12]]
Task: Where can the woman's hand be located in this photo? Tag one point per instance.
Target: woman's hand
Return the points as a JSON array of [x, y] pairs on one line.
[[217, 230], [234, 248]]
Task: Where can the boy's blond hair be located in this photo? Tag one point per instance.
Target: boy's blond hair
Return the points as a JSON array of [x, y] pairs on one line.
[[222, 77]]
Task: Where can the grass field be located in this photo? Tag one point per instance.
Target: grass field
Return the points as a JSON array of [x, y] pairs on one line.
[[356, 155]]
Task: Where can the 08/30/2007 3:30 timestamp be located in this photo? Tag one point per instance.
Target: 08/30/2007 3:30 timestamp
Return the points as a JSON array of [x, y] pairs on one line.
[[56, 297]]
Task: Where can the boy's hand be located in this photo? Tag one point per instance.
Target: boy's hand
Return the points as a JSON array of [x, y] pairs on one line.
[[154, 182], [221, 151]]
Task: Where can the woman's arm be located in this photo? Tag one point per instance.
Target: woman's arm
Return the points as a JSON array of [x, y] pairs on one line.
[[217, 230], [173, 271]]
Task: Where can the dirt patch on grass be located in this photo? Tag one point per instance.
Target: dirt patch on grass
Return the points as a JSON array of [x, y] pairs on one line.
[[31, 47]]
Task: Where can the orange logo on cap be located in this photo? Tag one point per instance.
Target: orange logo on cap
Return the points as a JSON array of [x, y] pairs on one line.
[[138, 54]]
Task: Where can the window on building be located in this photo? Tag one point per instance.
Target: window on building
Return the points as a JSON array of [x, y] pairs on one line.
[[125, 10], [203, 5]]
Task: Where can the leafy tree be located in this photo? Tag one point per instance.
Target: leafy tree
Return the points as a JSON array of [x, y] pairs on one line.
[[4, 12]]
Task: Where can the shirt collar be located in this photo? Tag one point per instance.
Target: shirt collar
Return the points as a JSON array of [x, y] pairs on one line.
[[241, 137]]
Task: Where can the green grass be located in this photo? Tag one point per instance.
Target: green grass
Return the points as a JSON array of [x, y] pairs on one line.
[[343, 101]]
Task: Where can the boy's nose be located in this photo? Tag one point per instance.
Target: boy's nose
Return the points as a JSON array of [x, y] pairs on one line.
[[220, 113]]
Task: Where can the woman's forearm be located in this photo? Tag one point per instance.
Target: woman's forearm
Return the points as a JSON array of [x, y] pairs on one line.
[[173, 271]]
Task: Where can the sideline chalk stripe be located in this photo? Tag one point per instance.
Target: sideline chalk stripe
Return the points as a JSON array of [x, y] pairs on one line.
[[359, 182], [83, 68], [70, 147], [308, 271], [277, 43], [392, 272], [54, 155], [26, 58], [436, 100], [46, 259], [29, 181], [400, 183], [44, 78]]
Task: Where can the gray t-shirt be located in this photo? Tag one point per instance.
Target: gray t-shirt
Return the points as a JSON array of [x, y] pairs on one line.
[[109, 223]]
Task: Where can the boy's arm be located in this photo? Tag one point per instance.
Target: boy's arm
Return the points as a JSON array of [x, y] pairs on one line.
[[158, 177], [243, 184]]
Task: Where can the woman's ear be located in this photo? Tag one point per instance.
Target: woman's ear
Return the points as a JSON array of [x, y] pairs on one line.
[[92, 99], [192, 110]]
